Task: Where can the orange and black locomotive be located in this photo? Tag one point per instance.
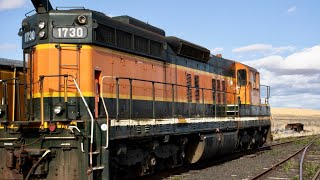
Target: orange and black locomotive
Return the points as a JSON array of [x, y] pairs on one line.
[[108, 96]]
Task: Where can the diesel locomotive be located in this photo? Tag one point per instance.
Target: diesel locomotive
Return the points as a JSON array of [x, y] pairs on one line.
[[101, 97]]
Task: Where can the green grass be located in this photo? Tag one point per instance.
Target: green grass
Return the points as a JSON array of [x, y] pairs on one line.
[[286, 139], [291, 164], [176, 178], [310, 169], [304, 141], [287, 166], [274, 152], [317, 142]]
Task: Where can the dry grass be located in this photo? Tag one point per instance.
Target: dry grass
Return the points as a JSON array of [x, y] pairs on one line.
[[295, 112], [283, 116]]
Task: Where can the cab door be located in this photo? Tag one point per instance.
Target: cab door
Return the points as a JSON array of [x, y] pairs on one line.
[[97, 103], [241, 86]]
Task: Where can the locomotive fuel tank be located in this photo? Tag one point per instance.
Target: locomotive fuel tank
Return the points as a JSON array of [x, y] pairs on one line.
[[212, 145]]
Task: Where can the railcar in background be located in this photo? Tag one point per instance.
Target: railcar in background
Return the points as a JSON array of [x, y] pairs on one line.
[[11, 89], [114, 97]]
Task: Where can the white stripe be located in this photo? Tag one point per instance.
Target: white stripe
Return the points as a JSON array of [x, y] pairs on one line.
[[149, 122]]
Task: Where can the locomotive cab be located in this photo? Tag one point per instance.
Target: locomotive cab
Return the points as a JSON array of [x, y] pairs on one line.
[[249, 91]]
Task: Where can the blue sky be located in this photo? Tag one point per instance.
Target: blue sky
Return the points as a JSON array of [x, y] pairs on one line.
[[280, 38]]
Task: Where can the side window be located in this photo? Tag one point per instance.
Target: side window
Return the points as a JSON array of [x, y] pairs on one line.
[[257, 80], [196, 85], [219, 91], [223, 86], [224, 90], [242, 77], [253, 79], [214, 90]]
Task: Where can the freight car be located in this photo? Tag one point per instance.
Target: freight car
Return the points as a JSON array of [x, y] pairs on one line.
[[11, 90], [114, 97]]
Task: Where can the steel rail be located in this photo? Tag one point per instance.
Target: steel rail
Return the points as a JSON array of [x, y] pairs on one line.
[[281, 162], [272, 145], [302, 160], [317, 175]]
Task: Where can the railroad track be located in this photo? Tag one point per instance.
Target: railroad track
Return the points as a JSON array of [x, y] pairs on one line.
[[317, 175], [303, 151], [167, 174]]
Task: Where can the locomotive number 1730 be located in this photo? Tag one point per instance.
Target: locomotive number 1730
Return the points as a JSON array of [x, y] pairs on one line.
[[70, 32]]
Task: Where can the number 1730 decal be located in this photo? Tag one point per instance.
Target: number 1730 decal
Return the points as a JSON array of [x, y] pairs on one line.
[[70, 32]]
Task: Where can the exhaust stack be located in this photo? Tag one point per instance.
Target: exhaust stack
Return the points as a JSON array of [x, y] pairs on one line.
[[42, 6]]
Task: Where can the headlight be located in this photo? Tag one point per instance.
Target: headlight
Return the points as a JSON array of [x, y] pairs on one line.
[[41, 24], [57, 109], [25, 25], [42, 34], [82, 19], [104, 127]]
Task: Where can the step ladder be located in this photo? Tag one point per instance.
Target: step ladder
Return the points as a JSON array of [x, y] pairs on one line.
[[69, 68], [232, 109]]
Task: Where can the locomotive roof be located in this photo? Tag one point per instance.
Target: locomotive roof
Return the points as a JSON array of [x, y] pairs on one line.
[[9, 63], [139, 28]]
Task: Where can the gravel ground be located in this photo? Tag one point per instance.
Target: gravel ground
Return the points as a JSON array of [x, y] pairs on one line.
[[290, 169], [245, 167]]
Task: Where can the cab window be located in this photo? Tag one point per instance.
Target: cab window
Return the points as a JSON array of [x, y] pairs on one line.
[[253, 79], [242, 77], [257, 80]]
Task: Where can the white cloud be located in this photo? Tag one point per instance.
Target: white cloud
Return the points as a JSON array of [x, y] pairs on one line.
[[294, 80], [11, 4], [253, 47], [5, 47], [308, 59], [264, 48], [294, 101], [292, 9], [217, 50]]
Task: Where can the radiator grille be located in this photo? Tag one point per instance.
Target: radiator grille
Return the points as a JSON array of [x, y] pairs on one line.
[[124, 39], [141, 44], [105, 34], [155, 48], [129, 41]]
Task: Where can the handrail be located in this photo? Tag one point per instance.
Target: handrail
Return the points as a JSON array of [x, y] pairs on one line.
[[4, 98], [266, 99], [82, 97], [106, 110], [217, 92], [41, 80], [4, 80], [14, 93], [165, 83], [92, 120]]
